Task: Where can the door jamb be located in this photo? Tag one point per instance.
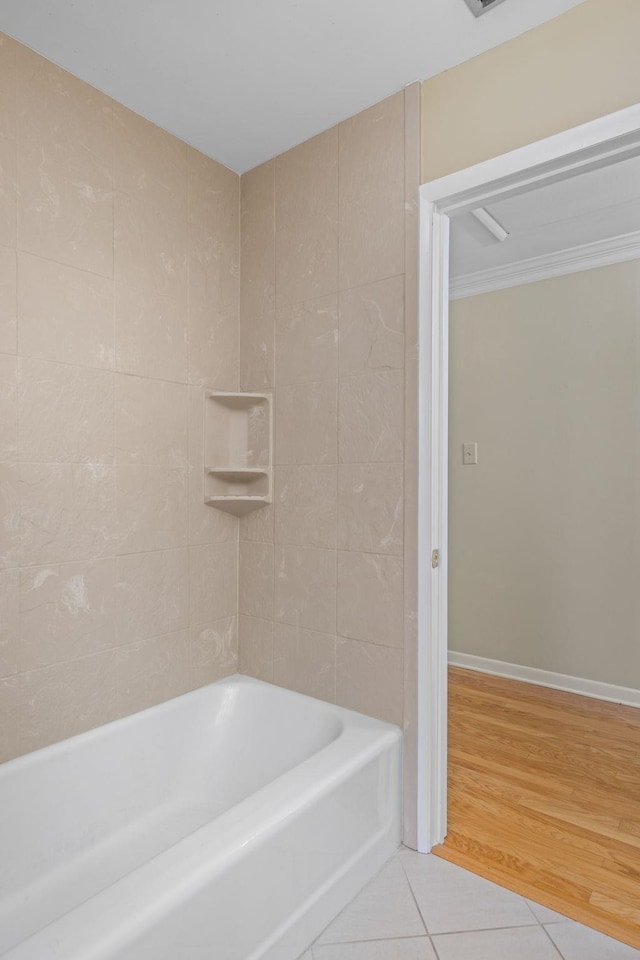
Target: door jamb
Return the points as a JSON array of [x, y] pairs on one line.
[[563, 155]]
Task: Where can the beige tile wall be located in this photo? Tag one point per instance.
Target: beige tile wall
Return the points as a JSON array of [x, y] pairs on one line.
[[120, 252], [119, 274], [322, 325]]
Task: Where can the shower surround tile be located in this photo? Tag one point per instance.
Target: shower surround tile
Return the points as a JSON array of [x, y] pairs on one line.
[[65, 167], [104, 608], [65, 314], [256, 582], [370, 598], [307, 419], [47, 705], [8, 56], [333, 351], [306, 208], [307, 341], [58, 109], [67, 512], [256, 648], [411, 473], [372, 327], [67, 611], [166, 311], [207, 525], [213, 651], [8, 407], [152, 507], [214, 272], [150, 421], [370, 417], [150, 179], [9, 622], [151, 671], [213, 589], [306, 499], [152, 594], [257, 278], [369, 679], [8, 192], [10, 542], [150, 165], [66, 413], [259, 524], [306, 587], [372, 202], [370, 507], [150, 250], [8, 301], [150, 332], [305, 661]]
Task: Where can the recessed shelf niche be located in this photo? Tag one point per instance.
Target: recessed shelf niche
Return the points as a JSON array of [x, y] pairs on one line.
[[237, 451]]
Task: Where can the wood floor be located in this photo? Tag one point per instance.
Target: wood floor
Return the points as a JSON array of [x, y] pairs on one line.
[[544, 797]]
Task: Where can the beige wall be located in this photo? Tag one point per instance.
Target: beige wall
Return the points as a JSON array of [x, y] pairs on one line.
[[582, 65], [544, 531], [323, 327], [119, 301]]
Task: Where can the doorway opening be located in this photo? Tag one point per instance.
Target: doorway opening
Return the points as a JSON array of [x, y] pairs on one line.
[[582, 151]]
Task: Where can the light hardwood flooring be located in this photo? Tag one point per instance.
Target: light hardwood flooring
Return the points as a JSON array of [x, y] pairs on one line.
[[544, 797]]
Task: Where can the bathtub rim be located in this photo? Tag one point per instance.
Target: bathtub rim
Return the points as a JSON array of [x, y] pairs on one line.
[[206, 852]]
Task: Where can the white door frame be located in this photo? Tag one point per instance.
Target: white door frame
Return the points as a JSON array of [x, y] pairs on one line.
[[589, 146]]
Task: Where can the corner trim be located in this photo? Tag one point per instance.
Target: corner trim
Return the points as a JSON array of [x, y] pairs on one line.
[[546, 678]]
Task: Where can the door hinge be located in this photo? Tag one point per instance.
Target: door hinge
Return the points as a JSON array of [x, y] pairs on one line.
[[435, 558]]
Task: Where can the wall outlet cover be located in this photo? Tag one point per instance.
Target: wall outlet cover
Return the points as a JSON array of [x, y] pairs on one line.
[[469, 453]]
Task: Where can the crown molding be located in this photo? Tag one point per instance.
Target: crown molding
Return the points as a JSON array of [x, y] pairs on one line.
[[588, 256]]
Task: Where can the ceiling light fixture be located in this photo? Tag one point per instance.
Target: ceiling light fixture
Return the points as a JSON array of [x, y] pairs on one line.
[[478, 7], [490, 223]]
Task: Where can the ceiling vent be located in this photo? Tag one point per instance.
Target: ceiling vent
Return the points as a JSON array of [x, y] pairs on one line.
[[478, 7]]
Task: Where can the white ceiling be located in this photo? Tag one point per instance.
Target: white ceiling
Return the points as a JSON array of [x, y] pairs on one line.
[[244, 80], [594, 206]]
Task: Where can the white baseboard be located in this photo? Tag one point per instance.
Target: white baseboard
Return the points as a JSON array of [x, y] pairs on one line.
[[545, 678]]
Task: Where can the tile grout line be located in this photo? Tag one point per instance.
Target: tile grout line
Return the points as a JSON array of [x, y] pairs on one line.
[[413, 895], [457, 933], [549, 937]]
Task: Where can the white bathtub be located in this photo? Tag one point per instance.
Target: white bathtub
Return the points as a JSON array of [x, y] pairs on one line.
[[230, 823]]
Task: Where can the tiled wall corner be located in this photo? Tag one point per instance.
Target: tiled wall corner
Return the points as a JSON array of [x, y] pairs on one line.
[[410, 546], [325, 329], [119, 302]]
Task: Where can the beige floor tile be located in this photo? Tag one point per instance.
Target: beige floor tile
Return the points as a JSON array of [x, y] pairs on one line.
[[453, 900], [576, 942], [516, 943], [544, 914], [413, 948], [385, 909]]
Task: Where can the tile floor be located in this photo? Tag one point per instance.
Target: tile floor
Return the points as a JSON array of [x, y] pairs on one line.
[[423, 908]]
